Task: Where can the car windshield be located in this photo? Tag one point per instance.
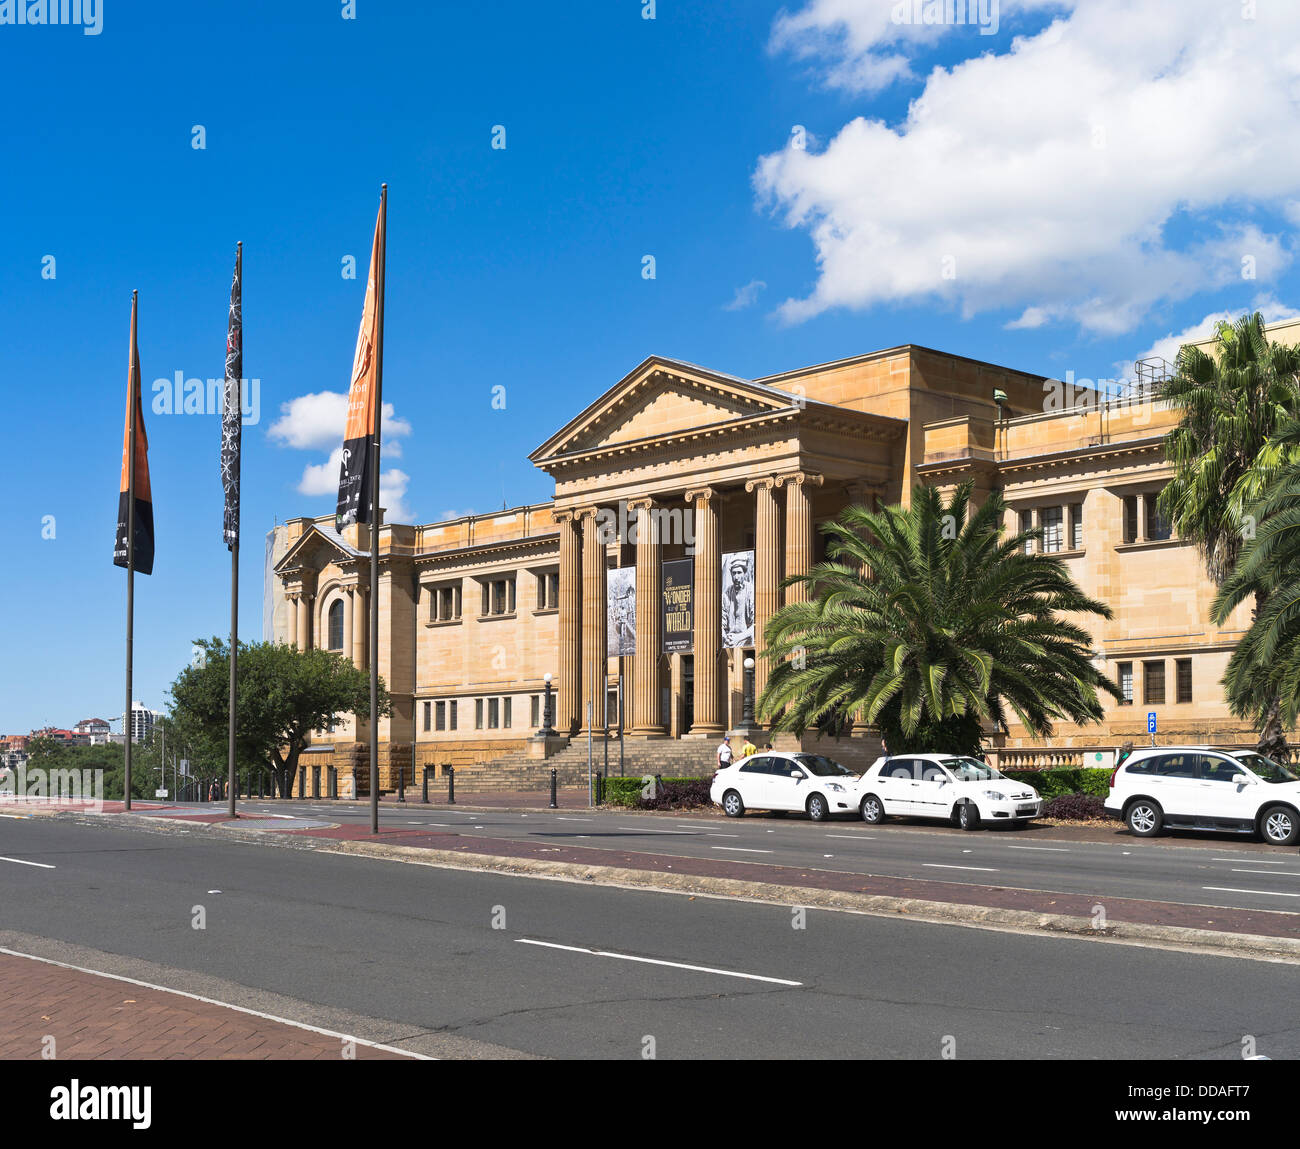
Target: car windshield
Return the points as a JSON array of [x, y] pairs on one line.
[[822, 767], [971, 769], [1266, 768]]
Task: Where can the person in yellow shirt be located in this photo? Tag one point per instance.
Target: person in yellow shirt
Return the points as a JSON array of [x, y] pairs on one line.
[[749, 748]]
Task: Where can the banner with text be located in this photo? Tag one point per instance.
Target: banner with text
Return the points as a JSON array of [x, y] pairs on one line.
[[679, 606]]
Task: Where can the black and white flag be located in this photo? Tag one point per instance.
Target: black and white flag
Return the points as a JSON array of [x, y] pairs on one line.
[[230, 411]]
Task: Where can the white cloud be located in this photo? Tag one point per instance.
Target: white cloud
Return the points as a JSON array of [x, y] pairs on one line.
[[316, 422], [323, 479], [1044, 178], [746, 296]]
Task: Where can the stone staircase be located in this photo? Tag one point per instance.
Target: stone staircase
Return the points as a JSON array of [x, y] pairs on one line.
[[667, 757]]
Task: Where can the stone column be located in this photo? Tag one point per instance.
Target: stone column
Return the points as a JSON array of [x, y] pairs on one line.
[[291, 601], [647, 719], [348, 652], [304, 623], [568, 675], [708, 721], [767, 571], [595, 645], [359, 627], [798, 529]]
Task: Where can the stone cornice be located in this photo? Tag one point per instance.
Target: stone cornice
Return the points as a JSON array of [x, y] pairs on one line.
[[485, 552]]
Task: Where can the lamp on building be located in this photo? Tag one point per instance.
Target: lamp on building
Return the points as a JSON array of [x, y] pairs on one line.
[[747, 718], [548, 712]]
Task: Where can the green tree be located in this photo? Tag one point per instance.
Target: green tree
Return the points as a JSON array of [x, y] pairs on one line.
[[1225, 452], [950, 627], [283, 695]]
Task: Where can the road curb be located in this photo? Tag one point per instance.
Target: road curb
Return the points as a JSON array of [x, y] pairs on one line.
[[880, 905]]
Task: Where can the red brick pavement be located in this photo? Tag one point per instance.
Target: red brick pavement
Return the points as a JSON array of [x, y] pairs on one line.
[[90, 1016]]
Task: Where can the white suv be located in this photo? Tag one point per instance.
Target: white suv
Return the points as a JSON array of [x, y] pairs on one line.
[[965, 791], [1200, 788]]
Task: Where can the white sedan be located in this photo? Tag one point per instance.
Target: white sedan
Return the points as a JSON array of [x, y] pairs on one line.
[[964, 791], [777, 780]]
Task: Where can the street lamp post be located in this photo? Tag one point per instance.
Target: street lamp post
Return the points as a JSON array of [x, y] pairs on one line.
[[747, 718], [548, 712]]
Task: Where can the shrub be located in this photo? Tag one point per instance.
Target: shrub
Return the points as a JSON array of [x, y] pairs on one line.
[[1075, 808], [1055, 783], [679, 794], [628, 791]]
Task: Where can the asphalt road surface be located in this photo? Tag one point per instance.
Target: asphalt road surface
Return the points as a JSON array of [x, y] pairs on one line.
[[563, 969]]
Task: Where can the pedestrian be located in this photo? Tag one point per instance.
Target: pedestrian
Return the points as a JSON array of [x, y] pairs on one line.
[[724, 752], [768, 746], [749, 747]]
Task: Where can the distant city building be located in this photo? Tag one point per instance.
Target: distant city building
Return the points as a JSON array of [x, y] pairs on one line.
[[91, 732], [142, 720]]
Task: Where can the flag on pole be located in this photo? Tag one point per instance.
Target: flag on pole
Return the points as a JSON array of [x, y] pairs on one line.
[[231, 414], [143, 495], [356, 470]]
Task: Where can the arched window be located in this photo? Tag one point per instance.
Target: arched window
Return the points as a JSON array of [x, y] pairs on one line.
[[336, 625]]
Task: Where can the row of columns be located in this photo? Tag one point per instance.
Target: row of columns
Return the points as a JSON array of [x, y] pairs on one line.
[[582, 622], [302, 633]]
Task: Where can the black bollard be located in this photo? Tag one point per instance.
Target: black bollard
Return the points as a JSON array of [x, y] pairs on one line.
[[451, 785], [425, 781], [600, 788], [553, 802], [401, 783]]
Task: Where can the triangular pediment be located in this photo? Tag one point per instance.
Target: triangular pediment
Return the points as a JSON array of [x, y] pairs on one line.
[[662, 398], [316, 548]]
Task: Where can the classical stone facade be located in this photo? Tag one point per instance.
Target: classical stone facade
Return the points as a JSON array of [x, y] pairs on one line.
[[678, 462]]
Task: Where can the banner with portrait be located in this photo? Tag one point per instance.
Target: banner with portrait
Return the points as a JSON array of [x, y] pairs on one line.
[[738, 599], [620, 611]]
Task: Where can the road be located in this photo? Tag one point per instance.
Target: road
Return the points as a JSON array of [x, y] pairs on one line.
[[596, 972], [1228, 872]]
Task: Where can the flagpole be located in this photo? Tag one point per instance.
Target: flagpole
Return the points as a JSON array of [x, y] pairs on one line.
[[378, 409], [234, 548], [131, 372]]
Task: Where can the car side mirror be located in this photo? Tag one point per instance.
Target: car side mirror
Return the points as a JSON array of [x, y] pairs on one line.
[[1242, 780], [798, 777]]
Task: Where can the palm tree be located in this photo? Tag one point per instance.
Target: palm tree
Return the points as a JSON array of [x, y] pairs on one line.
[[1263, 675], [1225, 452], [931, 624]]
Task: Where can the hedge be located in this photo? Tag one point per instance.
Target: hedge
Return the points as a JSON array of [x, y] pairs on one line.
[[1075, 808], [1056, 783], [627, 791]]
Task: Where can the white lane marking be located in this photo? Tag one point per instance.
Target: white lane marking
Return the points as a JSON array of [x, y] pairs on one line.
[[562, 818], [1235, 890], [715, 834], [854, 837], [223, 1004], [1270, 873], [694, 823], [1258, 862], [741, 850], [647, 830], [20, 862], [1049, 849], [659, 961], [941, 866], [23, 816]]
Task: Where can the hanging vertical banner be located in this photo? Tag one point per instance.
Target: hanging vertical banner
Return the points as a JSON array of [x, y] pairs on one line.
[[620, 611], [679, 606], [358, 439], [738, 599], [143, 556], [231, 408]]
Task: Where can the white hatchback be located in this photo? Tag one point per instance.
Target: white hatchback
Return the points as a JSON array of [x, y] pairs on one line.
[[1200, 788], [964, 791], [777, 780]]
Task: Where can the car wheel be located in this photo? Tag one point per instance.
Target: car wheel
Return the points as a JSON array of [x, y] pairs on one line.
[[1144, 818], [1279, 826], [968, 816], [873, 810], [732, 805], [817, 808]]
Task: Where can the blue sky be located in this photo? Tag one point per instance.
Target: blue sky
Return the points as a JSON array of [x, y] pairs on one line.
[[1094, 210]]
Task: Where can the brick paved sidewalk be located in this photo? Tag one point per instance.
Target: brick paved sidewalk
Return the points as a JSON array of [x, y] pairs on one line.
[[90, 1016]]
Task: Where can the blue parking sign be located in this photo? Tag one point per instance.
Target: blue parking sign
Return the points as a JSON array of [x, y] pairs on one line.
[[1151, 721]]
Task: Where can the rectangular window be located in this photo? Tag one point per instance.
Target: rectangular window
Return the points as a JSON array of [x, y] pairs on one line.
[[499, 596], [1157, 528], [534, 711], [452, 724], [1052, 519], [1076, 526], [441, 710], [1183, 684], [1130, 519], [446, 603], [548, 590], [1126, 683], [428, 707], [1153, 683], [478, 714], [1027, 524], [505, 713], [494, 713]]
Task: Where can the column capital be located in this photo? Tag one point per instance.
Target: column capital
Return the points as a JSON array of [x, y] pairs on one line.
[[565, 516], [812, 478], [643, 503], [766, 483], [701, 494], [590, 511]]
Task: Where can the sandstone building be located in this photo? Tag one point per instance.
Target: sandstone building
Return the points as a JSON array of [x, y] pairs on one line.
[[476, 612]]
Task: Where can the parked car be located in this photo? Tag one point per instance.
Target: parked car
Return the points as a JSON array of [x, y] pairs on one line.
[[779, 780], [1201, 788], [964, 791]]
